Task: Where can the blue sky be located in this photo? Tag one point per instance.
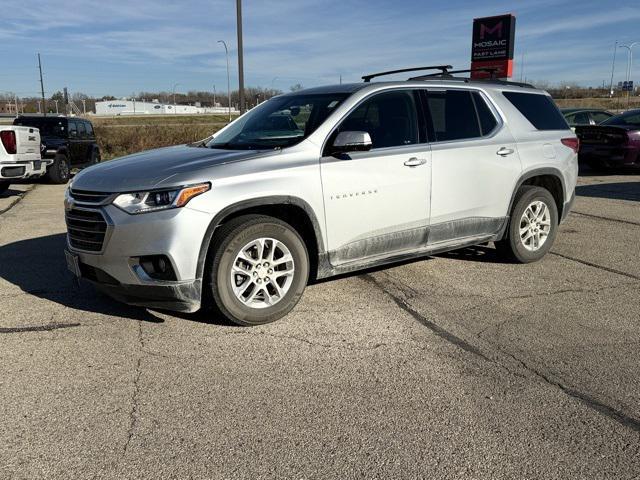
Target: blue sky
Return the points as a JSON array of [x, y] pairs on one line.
[[119, 47]]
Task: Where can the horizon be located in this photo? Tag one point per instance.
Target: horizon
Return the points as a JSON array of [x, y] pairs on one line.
[[120, 49]]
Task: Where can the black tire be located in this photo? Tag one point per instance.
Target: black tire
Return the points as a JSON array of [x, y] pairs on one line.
[[60, 171], [95, 157], [512, 246], [4, 186], [228, 241]]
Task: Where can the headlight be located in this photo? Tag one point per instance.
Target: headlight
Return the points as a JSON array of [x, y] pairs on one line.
[[154, 200]]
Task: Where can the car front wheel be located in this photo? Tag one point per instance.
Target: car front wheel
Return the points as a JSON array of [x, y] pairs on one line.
[[4, 186], [259, 269], [532, 227]]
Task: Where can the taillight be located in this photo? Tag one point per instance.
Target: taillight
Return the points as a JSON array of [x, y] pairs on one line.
[[573, 143], [8, 138]]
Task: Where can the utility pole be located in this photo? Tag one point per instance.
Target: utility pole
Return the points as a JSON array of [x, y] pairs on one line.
[[240, 55], [44, 102], [228, 78], [56, 102], [613, 68], [84, 106], [214, 96], [629, 66]]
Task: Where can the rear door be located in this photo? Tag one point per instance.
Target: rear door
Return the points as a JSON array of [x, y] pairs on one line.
[[377, 202], [475, 164]]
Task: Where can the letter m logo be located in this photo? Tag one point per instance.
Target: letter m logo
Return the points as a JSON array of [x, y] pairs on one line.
[[485, 31]]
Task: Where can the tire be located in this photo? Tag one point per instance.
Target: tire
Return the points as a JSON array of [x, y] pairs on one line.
[[4, 186], [241, 305], [95, 157], [59, 171], [522, 247]]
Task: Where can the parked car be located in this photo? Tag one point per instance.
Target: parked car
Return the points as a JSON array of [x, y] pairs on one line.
[[613, 144], [585, 116], [69, 142], [364, 175], [19, 155]]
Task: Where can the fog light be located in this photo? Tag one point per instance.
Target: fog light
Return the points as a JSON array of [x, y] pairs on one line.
[[158, 267]]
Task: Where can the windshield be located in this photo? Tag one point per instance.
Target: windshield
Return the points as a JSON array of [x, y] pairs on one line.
[[629, 118], [49, 127], [278, 123]]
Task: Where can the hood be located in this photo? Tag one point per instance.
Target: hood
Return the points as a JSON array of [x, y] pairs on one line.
[[164, 167]]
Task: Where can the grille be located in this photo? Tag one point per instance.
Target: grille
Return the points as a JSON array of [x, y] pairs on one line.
[[86, 229], [84, 196]]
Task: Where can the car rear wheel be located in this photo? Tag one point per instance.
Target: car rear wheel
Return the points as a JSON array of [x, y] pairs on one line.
[[259, 269], [532, 227], [4, 186], [95, 157], [59, 171]]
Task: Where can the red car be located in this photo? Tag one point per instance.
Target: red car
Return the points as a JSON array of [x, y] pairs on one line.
[[615, 143]]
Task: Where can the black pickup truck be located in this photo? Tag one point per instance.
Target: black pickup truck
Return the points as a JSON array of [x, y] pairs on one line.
[[70, 142]]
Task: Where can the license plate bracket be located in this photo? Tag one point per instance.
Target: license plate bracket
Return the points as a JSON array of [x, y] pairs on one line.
[[73, 263]]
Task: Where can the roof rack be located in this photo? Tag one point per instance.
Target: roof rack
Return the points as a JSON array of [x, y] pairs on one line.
[[444, 70], [490, 70]]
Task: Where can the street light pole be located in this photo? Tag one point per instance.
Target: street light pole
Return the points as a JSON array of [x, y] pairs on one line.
[[240, 55], [228, 78], [629, 66], [174, 97], [613, 68]]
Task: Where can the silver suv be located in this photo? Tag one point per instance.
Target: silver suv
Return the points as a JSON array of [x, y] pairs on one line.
[[321, 182]]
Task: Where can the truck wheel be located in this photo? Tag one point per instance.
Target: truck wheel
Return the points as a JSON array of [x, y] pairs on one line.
[[4, 186], [259, 269], [59, 171], [532, 227], [95, 157]]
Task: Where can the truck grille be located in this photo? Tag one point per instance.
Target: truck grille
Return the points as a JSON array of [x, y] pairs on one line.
[[86, 229], [95, 198]]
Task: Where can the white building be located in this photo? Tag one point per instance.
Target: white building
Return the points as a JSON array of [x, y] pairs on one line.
[[131, 107]]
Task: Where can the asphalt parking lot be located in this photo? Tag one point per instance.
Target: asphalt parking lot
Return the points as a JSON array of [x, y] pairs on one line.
[[457, 366]]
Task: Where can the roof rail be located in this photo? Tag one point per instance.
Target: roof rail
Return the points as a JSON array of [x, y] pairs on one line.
[[490, 70], [444, 70]]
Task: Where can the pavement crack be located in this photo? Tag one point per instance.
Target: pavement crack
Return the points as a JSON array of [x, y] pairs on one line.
[[585, 399], [38, 328], [595, 265], [600, 217], [438, 330], [594, 404], [133, 413]]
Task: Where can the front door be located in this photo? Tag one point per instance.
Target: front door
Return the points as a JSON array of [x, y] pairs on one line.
[[377, 202]]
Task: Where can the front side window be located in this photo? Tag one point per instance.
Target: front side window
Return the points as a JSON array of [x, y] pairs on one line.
[[73, 129], [599, 117], [81, 130], [279, 122], [390, 119], [89, 128]]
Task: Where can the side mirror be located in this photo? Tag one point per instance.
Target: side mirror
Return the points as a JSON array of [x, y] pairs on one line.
[[352, 142]]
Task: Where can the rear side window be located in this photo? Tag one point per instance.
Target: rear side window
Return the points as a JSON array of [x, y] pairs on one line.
[[538, 109], [453, 115], [600, 117], [487, 121]]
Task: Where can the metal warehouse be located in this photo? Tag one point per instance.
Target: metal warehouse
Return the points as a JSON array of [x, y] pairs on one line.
[[131, 107]]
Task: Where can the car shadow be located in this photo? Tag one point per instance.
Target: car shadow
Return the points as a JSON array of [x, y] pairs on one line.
[[618, 191], [38, 267], [11, 193], [478, 253]]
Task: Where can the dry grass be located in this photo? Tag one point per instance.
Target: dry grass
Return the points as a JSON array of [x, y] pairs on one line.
[[617, 104], [118, 136]]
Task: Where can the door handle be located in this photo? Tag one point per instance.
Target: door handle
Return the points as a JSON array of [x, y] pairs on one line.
[[504, 151], [414, 162]]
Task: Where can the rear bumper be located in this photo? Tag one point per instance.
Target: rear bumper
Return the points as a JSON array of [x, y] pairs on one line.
[[19, 170], [608, 156], [567, 207]]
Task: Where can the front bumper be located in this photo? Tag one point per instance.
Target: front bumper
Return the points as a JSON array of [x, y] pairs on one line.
[[176, 234], [26, 169]]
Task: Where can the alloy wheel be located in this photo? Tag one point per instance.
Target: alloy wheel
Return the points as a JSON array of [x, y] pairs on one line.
[[262, 273], [535, 225]]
